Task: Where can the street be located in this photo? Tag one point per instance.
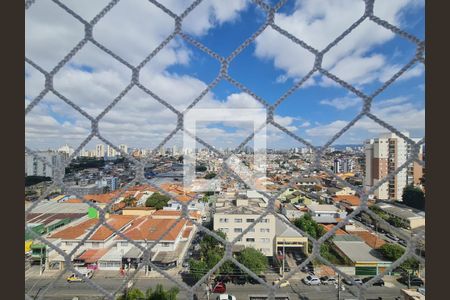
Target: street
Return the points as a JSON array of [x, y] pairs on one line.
[[35, 285]]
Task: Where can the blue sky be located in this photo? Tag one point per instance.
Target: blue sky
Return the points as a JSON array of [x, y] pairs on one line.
[[366, 58]]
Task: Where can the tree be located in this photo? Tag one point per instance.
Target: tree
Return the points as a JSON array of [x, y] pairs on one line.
[[254, 260], [210, 175], [132, 294], [308, 225], [129, 201], [159, 293], [391, 251], [157, 201], [197, 268], [414, 197], [200, 168]]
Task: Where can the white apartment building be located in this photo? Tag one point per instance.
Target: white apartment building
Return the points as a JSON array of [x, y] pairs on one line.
[[325, 213], [35, 167], [123, 148], [100, 150], [383, 156], [110, 151], [233, 218]]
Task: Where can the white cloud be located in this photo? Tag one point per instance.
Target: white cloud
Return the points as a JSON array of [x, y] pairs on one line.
[[318, 23], [399, 112], [342, 103]]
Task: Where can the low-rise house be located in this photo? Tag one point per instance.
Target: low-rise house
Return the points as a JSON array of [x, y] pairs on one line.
[[291, 211], [326, 213]]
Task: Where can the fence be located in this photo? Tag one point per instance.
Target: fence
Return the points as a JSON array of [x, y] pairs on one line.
[[223, 75]]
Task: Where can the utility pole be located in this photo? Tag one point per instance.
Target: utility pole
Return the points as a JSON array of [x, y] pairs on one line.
[[339, 286], [284, 257], [40, 264]]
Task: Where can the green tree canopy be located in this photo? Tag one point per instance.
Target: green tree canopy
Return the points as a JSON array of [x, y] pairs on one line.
[[391, 251], [254, 260], [159, 293], [308, 225], [157, 200], [414, 197]]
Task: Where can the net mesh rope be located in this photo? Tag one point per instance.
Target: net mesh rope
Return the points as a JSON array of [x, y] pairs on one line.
[[138, 165]]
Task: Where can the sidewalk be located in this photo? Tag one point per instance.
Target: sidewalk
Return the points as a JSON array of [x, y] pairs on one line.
[[139, 275]]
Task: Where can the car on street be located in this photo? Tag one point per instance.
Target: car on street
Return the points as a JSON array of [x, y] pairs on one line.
[[226, 297], [219, 288], [379, 282], [77, 278], [327, 280], [348, 282], [311, 280]]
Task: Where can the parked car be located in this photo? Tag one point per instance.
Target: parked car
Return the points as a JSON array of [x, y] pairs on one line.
[[379, 282], [328, 280], [392, 237], [226, 297], [282, 284], [413, 281], [219, 288], [77, 278], [240, 280], [403, 243], [356, 280], [311, 280]]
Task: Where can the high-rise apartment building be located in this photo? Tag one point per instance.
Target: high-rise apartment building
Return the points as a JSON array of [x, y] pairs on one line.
[[100, 150], [35, 167], [110, 151], [123, 148], [383, 156]]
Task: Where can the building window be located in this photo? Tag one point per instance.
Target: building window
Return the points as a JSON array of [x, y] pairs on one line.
[[238, 230], [264, 230], [252, 230], [238, 220], [69, 243], [250, 240], [264, 221], [250, 220], [165, 244], [223, 220], [224, 230], [264, 240]]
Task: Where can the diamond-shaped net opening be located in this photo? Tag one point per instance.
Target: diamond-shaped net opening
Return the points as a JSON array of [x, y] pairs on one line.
[[192, 245]]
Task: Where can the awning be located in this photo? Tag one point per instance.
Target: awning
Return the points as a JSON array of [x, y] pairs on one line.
[[166, 257], [113, 255], [92, 255], [134, 253]]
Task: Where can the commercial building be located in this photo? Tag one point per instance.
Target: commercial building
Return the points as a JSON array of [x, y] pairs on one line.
[[383, 156], [410, 219], [364, 259]]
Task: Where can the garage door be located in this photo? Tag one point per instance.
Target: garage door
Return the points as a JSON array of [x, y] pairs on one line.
[[365, 270]]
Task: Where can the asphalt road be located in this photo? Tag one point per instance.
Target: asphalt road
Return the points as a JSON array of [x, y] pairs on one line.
[[297, 290]]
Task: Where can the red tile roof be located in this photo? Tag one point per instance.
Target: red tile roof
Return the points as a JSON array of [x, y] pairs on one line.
[[349, 199], [116, 222], [92, 255], [147, 228], [74, 231]]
